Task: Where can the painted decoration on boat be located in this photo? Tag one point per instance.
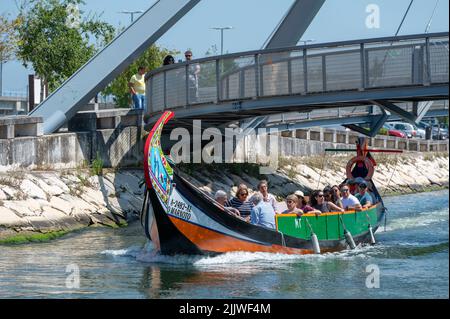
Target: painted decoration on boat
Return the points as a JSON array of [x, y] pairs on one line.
[[158, 173]]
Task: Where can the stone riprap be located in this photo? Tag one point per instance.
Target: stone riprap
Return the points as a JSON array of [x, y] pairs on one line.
[[34, 202], [45, 202]]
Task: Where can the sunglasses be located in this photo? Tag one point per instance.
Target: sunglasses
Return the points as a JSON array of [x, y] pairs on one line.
[[188, 56], [320, 195], [344, 190], [289, 201], [243, 194]]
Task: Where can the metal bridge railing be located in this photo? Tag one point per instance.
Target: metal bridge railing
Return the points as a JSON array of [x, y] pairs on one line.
[[416, 60]]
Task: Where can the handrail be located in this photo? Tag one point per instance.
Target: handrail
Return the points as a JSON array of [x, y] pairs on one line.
[[412, 60], [297, 48]]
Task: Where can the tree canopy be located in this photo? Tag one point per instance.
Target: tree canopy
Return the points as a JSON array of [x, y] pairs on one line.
[[8, 38], [55, 40]]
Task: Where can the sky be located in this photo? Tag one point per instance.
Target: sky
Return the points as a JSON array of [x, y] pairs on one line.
[[252, 22]]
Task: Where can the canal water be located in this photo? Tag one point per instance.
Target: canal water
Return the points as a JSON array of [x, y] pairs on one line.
[[410, 260]]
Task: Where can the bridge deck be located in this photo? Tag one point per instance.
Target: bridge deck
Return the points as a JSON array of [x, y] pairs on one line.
[[303, 78]]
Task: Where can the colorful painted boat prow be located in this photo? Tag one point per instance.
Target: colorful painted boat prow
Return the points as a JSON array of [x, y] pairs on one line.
[[181, 219]]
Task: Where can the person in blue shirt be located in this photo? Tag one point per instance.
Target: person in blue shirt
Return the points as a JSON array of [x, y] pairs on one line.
[[262, 214], [363, 196]]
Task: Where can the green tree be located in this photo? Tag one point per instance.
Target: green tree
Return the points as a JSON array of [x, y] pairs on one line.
[[56, 40], [151, 59], [8, 38]]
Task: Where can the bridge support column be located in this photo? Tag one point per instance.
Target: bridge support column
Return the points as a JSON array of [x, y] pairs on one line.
[[321, 135]]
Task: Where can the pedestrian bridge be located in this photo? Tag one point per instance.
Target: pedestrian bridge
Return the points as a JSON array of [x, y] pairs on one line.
[[386, 72]]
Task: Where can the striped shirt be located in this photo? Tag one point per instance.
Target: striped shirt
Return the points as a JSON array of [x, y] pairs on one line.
[[243, 207]]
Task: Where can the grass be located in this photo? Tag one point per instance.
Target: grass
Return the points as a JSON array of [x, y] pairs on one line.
[[37, 237], [97, 165]]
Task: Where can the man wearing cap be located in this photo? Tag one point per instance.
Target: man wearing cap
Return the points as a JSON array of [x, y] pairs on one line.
[[363, 196]]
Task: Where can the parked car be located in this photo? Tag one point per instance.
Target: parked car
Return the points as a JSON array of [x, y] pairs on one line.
[[393, 132], [439, 133], [406, 128], [420, 132]]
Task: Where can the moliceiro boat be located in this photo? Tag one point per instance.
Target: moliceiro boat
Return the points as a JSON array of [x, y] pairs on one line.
[[179, 218]]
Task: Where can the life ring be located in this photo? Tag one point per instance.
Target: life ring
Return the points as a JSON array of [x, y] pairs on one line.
[[367, 162]]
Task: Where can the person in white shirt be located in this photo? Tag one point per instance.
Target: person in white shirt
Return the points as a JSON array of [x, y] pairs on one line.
[[349, 201], [263, 189]]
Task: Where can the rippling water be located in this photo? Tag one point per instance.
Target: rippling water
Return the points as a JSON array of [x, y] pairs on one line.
[[411, 255]]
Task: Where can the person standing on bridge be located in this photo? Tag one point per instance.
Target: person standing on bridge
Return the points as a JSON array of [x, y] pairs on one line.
[[137, 88], [194, 71]]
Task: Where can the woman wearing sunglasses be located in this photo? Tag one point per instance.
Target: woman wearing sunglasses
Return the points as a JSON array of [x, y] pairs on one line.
[[241, 203], [318, 202]]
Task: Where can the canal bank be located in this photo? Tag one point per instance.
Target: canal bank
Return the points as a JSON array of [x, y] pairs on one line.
[[41, 205]]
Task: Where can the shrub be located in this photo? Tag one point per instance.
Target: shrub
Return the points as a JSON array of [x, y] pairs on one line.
[[97, 165]]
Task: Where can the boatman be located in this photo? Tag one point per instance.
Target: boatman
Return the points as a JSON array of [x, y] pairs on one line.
[[137, 88]]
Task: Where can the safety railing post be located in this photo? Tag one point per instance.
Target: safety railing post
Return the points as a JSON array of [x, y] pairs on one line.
[[165, 90], [289, 66], [257, 93], [305, 70], [427, 79], [217, 81], [187, 84], [324, 73], [362, 58]]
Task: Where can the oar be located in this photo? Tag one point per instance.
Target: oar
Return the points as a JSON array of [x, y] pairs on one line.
[[314, 239], [347, 234], [372, 237], [354, 150]]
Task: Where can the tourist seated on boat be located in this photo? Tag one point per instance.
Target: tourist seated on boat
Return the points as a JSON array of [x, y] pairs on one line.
[[291, 203], [352, 186], [349, 201], [241, 203], [336, 196], [318, 202], [327, 193], [363, 195], [303, 203], [263, 189], [262, 213], [221, 197]]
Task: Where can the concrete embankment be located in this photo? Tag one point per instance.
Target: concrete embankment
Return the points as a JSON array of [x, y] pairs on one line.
[[37, 206]]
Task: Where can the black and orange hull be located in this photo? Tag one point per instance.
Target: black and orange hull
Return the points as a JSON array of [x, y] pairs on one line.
[[207, 229]]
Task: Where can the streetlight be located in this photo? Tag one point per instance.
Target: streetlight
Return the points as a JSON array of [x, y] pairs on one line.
[[131, 13], [221, 36]]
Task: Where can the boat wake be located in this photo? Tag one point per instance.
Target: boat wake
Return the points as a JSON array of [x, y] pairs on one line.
[[148, 254], [420, 220]]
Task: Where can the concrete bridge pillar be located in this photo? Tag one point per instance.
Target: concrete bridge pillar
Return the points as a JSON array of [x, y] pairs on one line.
[[321, 135]]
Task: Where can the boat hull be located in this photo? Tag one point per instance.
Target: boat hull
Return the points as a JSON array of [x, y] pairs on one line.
[[191, 224]]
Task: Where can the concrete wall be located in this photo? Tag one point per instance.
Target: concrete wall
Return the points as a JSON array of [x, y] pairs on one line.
[[116, 147], [117, 136]]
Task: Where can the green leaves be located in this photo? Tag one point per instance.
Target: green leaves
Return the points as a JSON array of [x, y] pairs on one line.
[[53, 43]]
